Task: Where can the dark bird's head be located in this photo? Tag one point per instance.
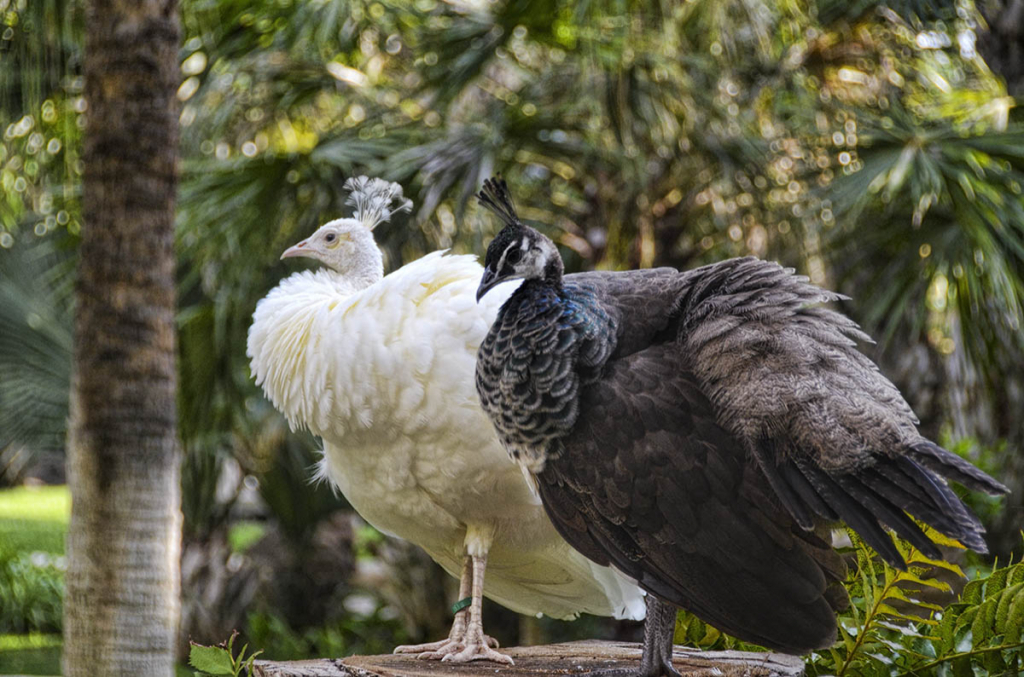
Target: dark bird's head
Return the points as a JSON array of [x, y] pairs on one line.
[[519, 251]]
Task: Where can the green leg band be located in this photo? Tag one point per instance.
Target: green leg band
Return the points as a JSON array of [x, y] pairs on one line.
[[461, 604]]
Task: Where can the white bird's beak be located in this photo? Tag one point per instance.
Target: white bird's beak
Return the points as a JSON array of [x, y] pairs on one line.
[[296, 250]]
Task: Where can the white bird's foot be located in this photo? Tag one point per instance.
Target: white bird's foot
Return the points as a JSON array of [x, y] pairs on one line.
[[466, 642], [478, 648], [423, 649], [435, 651]]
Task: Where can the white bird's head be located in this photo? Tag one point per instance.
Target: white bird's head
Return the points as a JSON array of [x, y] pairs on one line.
[[340, 245], [347, 245]]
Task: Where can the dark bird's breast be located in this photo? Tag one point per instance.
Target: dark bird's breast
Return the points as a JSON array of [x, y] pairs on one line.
[[543, 347]]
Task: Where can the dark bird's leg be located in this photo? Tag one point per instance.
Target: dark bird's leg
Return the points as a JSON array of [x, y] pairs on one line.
[[657, 657]]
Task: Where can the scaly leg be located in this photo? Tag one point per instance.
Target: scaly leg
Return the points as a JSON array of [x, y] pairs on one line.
[[477, 644], [456, 636], [456, 640], [657, 657]]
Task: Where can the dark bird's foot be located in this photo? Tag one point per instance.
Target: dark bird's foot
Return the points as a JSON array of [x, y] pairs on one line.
[[656, 660], [653, 670]]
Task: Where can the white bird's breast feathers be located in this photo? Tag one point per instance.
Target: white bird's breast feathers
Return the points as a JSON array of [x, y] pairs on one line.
[[394, 356]]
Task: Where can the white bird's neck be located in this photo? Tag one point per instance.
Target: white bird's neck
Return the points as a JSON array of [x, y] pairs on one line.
[[364, 268]]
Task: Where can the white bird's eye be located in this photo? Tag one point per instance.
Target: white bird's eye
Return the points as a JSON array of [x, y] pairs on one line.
[[330, 237]]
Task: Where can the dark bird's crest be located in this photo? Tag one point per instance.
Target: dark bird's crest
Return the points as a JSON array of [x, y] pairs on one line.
[[497, 198], [518, 251]]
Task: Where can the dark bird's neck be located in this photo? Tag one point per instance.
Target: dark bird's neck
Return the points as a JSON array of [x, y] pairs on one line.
[[553, 271], [550, 340], [537, 299]]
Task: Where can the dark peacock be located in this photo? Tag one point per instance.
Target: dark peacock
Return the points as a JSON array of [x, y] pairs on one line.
[[701, 430]]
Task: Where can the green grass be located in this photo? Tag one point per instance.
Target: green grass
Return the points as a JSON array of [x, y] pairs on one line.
[[34, 654], [33, 519], [39, 654]]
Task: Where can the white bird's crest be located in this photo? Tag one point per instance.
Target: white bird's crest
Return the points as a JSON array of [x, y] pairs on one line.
[[372, 199]]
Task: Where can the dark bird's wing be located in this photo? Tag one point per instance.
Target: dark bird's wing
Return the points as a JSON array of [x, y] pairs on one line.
[[651, 483], [644, 303], [833, 436]]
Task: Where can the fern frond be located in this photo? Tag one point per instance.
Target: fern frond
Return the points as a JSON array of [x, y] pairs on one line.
[[889, 630]]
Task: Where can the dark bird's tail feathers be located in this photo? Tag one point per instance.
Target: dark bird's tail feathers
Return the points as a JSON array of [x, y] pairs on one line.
[[883, 494], [833, 436]]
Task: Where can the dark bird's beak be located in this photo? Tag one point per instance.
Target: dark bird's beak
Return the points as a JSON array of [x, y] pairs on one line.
[[486, 282]]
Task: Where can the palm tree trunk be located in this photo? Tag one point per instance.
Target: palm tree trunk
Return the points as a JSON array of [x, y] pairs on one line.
[[121, 607]]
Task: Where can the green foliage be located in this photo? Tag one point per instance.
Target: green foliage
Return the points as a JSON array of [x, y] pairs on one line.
[[221, 659], [344, 636], [33, 525], [988, 616], [959, 191], [833, 10], [891, 629], [364, 542], [243, 535], [692, 631], [32, 590], [35, 345], [895, 625]]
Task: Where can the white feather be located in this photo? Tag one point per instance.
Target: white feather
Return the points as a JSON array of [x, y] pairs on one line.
[[385, 375]]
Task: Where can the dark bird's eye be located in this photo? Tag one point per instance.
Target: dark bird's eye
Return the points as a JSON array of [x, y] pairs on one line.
[[514, 256], [330, 237]]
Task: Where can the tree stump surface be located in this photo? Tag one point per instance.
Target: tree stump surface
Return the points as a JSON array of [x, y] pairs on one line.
[[552, 659]]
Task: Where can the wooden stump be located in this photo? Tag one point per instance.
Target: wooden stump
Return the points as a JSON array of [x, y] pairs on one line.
[[552, 659]]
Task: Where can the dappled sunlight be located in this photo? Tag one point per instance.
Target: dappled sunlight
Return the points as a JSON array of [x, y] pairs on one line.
[[876, 148]]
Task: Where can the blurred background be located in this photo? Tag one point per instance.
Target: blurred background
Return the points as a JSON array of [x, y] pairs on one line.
[[875, 147]]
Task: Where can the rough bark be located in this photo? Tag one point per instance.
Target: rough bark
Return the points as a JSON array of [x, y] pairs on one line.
[[121, 606], [553, 659]]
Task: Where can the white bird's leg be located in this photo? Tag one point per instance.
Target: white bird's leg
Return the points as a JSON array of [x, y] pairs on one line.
[[478, 646], [454, 642]]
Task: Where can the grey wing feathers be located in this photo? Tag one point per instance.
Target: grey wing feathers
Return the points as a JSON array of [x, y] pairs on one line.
[[834, 437], [644, 303], [650, 483]]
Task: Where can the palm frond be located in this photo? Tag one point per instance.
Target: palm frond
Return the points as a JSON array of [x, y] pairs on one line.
[[40, 52], [36, 290], [948, 211]]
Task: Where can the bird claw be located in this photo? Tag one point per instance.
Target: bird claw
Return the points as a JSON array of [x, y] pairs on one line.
[[450, 647], [446, 648], [479, 651], [423, 649]]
